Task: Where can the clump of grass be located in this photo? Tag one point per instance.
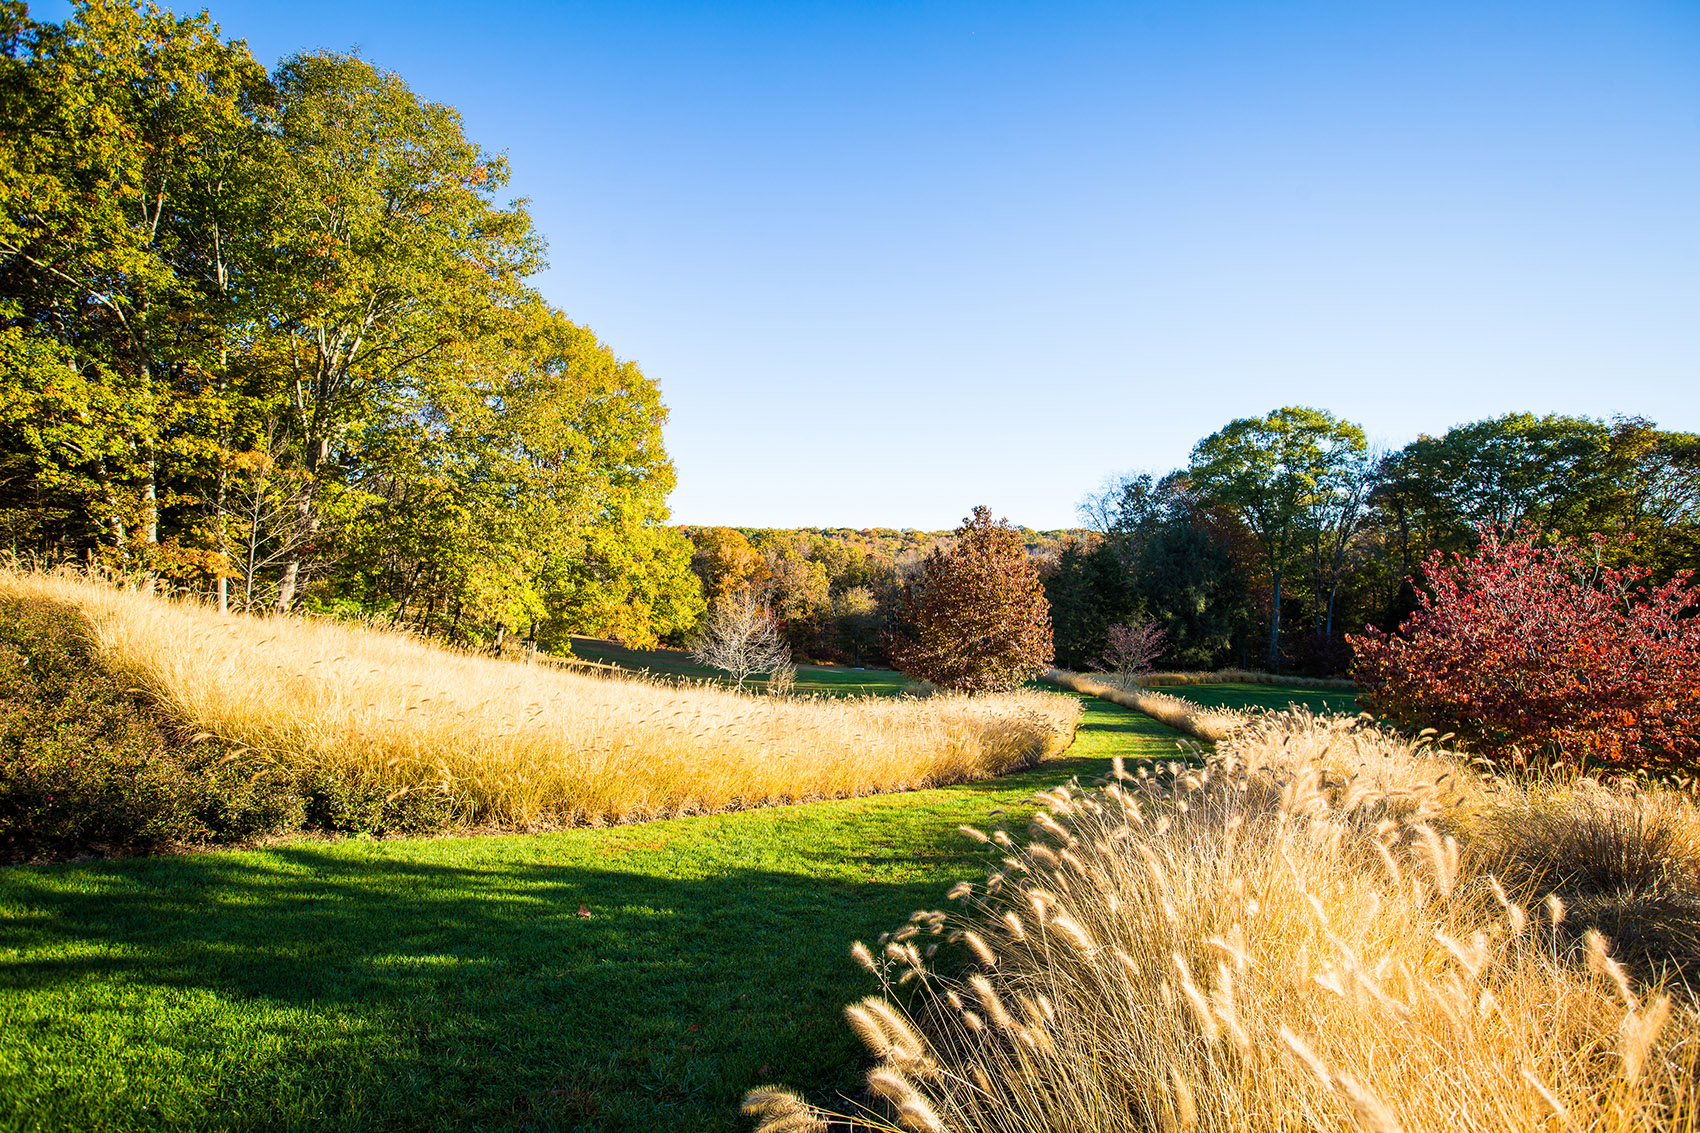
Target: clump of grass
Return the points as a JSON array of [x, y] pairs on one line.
[[1300, 935], [516, 745], [1196, 720], [1623, 862]]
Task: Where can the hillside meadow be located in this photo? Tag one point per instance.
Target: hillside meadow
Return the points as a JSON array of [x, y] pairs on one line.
[[1310, 923]]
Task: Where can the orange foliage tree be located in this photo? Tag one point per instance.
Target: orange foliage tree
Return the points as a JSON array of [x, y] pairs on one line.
[[975, 617]]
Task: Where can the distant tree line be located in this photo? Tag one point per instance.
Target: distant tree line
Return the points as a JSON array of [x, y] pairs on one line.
[[1286, 532], [267, 335], [831, 596]]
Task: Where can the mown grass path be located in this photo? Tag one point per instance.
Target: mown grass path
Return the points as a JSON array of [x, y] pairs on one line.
[[1265, 696], [453, 984]]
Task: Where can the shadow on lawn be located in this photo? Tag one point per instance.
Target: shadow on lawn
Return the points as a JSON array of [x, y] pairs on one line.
[[454, 984], [464, 996]]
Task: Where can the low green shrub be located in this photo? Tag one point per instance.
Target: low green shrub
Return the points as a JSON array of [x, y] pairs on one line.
[[337, 806], [85, 766]]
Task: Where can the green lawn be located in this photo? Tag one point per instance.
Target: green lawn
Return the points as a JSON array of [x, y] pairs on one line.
[[452, 983], [828, 680], [1265, 696]]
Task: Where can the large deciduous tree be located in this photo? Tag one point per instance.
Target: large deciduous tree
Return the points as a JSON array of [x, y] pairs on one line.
[[396, 263], [1573, 475], [1285, 476], [128, 144], [276, 329], [975, 616]]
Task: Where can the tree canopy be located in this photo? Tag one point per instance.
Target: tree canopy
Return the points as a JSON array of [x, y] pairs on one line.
[[1292, 474], [1290, 520], [274, 329], [975, 616]]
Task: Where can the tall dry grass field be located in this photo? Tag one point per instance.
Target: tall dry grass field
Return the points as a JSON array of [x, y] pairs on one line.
[[1305, 934], [513, 744]]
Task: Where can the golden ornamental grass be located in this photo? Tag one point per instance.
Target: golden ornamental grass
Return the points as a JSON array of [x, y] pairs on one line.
[[1304, 934], [516, 744]]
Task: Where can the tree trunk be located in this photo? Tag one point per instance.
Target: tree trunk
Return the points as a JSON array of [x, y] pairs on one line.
[[307, 520], [221, 527], [221, 502], [1275, 625], [115, 517]]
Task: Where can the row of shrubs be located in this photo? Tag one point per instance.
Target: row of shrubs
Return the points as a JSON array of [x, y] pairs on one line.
[[87, 766]]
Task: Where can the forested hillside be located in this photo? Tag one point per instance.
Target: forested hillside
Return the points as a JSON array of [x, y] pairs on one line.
[[833, 590]]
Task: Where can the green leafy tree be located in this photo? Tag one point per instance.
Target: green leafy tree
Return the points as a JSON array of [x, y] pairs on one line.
[[1572, 475], [1495, 474], [1282, 476], [975, 616], [122, 129], [723, 559], [1186, 564], [1088, 591], [393, 258], [275, 329], [856, 614]]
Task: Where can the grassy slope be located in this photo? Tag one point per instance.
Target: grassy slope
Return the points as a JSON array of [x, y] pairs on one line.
[[1264, 696], [828, 680], [451, 984]]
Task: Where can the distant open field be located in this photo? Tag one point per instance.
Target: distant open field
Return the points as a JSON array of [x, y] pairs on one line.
[[1271, 696], [824, 680], [453, 984]]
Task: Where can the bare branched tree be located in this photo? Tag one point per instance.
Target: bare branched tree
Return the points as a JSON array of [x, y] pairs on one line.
[[741, 638], [262, 518], [1131, 646]]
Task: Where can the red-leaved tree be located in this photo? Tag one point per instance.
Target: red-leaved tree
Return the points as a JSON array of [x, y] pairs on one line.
[[1532, 652], [975, 618]]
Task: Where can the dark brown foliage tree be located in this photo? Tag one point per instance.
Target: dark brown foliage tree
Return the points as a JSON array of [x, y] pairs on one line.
[[976, 618]]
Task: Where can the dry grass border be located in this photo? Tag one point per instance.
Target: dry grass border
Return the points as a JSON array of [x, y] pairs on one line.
[[1303, 935], [515, 745], [1196, 720], [1244, 677]]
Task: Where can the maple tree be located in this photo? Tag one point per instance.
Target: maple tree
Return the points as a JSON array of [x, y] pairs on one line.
[[1533, 652], [976, 618]]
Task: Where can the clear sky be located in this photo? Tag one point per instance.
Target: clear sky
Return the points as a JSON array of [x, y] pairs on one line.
[[891, 260]]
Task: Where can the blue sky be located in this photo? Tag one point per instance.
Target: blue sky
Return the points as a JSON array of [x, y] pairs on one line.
[[891, 260]]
